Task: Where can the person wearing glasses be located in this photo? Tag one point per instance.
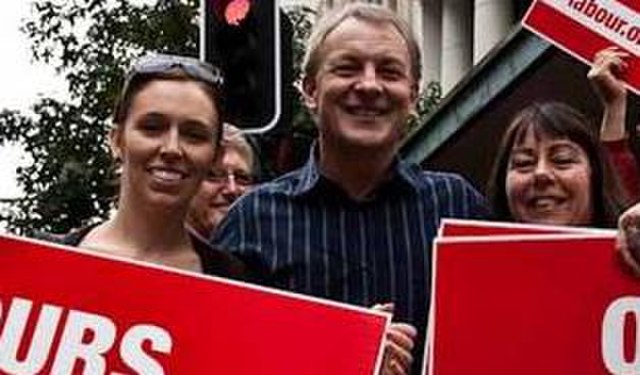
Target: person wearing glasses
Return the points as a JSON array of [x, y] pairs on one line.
[[167, 126], [230, 177]]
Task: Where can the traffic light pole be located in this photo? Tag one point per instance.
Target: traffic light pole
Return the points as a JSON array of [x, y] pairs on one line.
[[255, 86]]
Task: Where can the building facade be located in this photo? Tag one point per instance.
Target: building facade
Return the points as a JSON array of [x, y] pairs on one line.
[[454, 34]]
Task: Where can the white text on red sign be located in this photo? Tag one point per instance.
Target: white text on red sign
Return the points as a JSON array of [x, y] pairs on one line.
[[608, 18], [84, 337], [617, 316]]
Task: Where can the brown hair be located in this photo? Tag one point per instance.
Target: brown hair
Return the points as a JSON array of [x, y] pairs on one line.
[[559, 121], [136, 83]]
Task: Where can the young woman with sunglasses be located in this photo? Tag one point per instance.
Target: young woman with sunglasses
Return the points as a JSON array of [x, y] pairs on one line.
[[167, 126]]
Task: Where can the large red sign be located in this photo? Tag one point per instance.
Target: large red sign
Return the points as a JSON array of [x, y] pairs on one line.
[[584, 27], [533, 304], [63, 311]]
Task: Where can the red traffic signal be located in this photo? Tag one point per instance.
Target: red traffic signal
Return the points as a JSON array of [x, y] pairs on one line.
[[236, 11], [232, 12], [244, 38]]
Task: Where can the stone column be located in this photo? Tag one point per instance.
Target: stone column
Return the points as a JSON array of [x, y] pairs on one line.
[[415, 20], [493, 19], [403, 8], [431, 40], [457, 49]]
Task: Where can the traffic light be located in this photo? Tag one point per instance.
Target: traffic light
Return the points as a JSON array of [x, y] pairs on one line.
[[243, 38]]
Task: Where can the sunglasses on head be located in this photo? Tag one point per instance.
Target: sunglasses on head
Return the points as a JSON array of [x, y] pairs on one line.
[[162, 63]]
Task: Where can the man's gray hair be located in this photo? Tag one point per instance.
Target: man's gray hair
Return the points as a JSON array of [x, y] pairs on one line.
[[365, 12]]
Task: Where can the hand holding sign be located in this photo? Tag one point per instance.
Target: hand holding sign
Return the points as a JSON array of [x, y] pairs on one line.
[[399, 342], [605, 75], [584, 27]]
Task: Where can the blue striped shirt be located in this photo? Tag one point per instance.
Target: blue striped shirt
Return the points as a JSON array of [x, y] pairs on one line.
[[305, 226]]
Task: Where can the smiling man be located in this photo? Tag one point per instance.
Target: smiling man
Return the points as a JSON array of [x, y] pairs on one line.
[[356, 223]]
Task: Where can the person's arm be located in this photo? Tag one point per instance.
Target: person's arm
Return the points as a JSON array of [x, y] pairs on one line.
[[622, 161], [609, 63]]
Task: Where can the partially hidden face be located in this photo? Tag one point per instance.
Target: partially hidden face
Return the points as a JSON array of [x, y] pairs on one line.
[[229, 179], [166, 144], [363, 91], [549, 181]]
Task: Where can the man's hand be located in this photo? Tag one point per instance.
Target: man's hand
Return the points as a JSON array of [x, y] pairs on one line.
[[399, 342], [628, 241]]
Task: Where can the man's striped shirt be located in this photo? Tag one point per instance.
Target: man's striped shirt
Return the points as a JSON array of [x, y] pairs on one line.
[[305, 227]]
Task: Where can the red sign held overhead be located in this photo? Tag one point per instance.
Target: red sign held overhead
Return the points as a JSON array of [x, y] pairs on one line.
[[584, 27], [64, 311]]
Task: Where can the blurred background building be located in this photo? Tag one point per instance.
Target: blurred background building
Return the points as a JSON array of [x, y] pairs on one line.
[[455, 34]]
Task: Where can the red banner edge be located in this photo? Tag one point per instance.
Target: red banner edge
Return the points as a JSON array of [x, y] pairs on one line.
[[548, 39]]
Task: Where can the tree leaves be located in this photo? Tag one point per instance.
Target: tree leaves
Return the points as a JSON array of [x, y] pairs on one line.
[[90, 43]]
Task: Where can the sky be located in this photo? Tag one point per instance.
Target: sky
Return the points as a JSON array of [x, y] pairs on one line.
[[22, 82]]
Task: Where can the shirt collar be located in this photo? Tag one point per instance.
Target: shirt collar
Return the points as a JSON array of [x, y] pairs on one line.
[[310, 176]]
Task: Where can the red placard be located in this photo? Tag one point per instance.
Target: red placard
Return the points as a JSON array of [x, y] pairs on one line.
[[584, 27], [466, 228], [499, 230], [85, 312], [533, 305]]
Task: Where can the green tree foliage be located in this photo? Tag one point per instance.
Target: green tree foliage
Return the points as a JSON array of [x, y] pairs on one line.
[[90, 43], [427, 103], [303, 129], [301, 17]]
